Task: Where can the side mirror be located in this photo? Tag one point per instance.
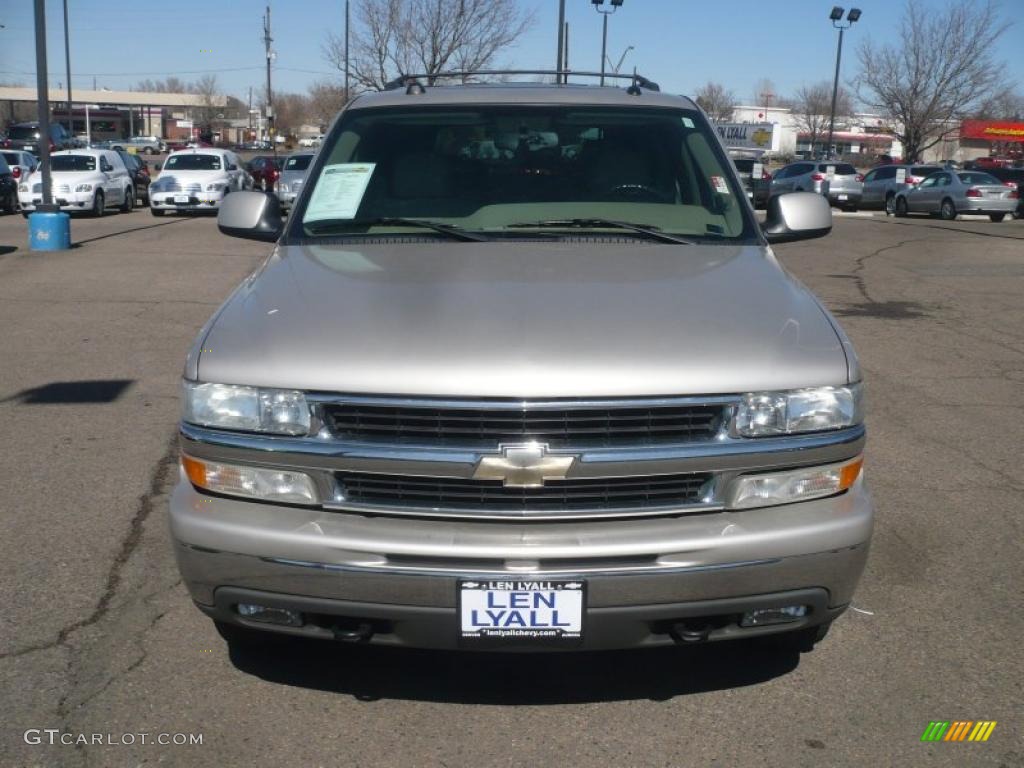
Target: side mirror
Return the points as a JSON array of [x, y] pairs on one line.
[[797, 216], [232, 167], [251, 215]]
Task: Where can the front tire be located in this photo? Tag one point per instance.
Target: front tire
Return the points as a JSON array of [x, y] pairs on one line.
[[890, 204], [157, 211], [129, 201], [947, 210], [11, 204], [99, 204], [901, 207], [996, 217]]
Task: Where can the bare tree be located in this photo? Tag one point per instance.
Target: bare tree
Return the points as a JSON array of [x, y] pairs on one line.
[[765, 93], [325, 101], [1007, 104], [812, 107], [170, 85], [206, 113], [718, 102], [395, 37], [291, 110], [939, 70]]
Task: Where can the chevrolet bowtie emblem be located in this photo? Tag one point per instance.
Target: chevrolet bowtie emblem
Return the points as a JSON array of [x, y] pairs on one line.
[[523, 465]]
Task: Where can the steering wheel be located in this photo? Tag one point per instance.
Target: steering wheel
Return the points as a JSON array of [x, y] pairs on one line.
[[636, 192]]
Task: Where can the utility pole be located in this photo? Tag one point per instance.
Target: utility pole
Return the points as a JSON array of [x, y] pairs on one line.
[[67, 61], [249, 135], [561, 40], [346, 49], [267, 40]]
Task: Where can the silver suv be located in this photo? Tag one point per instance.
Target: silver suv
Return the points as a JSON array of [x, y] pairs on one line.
[[838, 182], [522, 372], [882, 184]]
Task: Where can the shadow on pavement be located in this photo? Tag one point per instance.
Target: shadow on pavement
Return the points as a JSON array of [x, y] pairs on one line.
[[371, 673], [5, 249], [127, 231], [62, 392]]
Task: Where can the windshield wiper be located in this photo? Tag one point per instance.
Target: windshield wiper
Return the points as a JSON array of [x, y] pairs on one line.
[[454, 232], [651, 232]]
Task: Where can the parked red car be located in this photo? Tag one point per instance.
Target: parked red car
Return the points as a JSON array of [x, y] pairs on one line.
[[265, 170]]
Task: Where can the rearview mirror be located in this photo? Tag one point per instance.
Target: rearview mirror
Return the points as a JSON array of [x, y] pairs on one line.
[[797, 216], [251, 215]]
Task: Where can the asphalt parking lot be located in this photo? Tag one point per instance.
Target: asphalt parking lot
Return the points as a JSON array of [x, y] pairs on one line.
[[100, 637]]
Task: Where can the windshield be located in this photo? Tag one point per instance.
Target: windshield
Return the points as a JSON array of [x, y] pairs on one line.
[[23, 132], [73, 163], [298, 163], [193, 163], [978, 178], [503, 169], [841, 169]]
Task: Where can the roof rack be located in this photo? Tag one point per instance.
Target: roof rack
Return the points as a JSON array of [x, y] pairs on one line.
[[414, 84]]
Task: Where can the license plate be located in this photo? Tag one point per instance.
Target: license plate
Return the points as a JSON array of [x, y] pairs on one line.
[[521, 612], [842, 197], [27, 147], [181, 199]]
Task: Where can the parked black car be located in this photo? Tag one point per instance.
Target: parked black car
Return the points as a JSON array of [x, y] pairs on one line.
[[1013, 176], [139, 170], [8, 188], [26, 136]]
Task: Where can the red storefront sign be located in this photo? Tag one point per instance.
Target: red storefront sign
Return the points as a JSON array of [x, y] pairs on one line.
[[992, 130]]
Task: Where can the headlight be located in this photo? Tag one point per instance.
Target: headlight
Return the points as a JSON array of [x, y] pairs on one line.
[[228, 406], [263, 483], [215, 187], [83, 188], [762, 414], [773, 488]]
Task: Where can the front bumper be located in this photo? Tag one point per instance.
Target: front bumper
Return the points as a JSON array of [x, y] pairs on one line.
[[197, 201], [68, 201], [400, 575]]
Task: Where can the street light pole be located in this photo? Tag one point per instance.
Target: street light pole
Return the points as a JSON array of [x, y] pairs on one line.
[[836, 17], [346, 50], [599, 7], [43, 106], [67, 61]]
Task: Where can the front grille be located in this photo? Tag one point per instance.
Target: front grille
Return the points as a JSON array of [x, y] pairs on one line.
[[439, 493], [558, 427]]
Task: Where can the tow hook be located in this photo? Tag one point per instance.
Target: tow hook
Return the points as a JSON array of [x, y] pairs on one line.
[[360, 634], [683, 633]]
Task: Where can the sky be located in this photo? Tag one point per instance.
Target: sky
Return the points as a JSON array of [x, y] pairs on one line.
[[680, 44]]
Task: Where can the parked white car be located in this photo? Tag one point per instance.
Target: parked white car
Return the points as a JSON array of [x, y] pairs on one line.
[[82, 180], [197, 180], [311, 141]]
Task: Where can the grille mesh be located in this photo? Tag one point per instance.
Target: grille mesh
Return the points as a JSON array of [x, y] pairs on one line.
[[564, 427], [406, 492]]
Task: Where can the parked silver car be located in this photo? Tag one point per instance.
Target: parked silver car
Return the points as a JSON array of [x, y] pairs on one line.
[[555, 394], [23, 164], [950, 193], [293, 173], [839, 182], [881, 184]]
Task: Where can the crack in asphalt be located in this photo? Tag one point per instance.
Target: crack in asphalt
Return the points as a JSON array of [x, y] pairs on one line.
[[157, 480], [945, 229], [860, 262]]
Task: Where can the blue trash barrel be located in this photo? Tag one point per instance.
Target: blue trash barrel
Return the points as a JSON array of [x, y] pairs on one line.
[[49, 231]]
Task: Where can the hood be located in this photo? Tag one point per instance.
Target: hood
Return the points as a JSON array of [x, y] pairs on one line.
[[69, 177], [523, 319]]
